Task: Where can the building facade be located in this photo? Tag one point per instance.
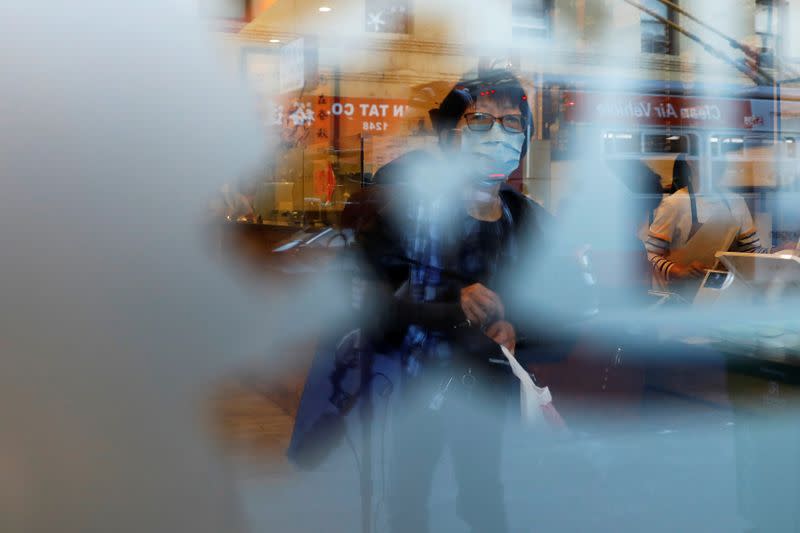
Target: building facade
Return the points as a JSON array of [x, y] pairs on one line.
[[346, 85]]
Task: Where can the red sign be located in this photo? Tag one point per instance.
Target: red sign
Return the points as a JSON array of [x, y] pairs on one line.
[[657, 110], [320, 117]]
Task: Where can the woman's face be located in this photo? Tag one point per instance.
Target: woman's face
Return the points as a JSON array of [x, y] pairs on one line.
[[496, 147]]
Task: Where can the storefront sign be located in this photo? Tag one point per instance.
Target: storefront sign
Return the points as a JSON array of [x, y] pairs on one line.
[[658, 110], [323, 117]]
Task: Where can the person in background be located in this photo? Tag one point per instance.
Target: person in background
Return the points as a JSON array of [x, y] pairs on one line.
[[681, 215], [235, 200]]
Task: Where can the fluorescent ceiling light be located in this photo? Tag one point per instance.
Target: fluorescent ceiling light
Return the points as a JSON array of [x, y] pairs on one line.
[[324, 9], [274, 40]]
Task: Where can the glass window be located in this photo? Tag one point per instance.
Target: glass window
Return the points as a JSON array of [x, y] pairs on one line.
[[666, 144], [753, 144], [766, 23], [714, 145], [657, 36], [622, 143], [731, 145], [531, 19]]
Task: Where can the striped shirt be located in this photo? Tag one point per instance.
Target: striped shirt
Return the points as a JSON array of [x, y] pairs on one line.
[[672, 225]]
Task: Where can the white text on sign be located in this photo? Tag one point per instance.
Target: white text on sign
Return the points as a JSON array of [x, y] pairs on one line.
[[368, 110]]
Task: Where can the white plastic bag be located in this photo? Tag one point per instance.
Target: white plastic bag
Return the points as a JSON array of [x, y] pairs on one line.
[[536, 403]]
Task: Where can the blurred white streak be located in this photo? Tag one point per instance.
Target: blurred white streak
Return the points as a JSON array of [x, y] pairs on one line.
[[116, 125]]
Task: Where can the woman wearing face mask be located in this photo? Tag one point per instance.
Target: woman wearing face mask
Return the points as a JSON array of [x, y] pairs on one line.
[[445, 251]]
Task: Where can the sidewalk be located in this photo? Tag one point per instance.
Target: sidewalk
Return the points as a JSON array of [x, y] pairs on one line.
[[664, 480]]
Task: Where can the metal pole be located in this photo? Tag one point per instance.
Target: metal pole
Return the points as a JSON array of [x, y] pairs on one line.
[[361, 160], [365, 479], [779, 144], [779, 148], [337, 98]]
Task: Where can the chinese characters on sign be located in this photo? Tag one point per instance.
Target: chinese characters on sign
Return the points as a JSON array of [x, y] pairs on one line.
[[295, 121]]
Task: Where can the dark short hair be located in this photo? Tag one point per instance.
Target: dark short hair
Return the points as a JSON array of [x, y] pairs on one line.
[[500, 85], [681, 173]]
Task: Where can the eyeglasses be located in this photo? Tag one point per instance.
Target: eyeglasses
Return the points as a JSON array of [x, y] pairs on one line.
[[485, 122]]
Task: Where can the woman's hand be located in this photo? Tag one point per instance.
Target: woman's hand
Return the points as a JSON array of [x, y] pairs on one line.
[[502, 333], [694, 270], [480, 305]]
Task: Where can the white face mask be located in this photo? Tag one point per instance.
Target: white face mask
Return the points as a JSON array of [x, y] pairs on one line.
[[497, 152]]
